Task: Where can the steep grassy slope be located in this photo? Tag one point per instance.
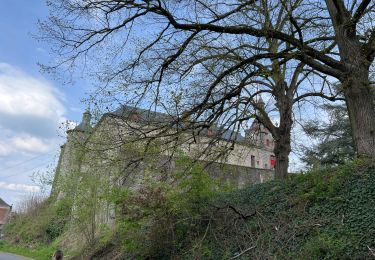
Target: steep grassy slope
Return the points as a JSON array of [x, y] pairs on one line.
[[327, 214]]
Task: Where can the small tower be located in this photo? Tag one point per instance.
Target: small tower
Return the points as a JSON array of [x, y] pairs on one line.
[[76, 137], [261, 102], [81, 131], [254, 133], [85, 125], [258, 134], [71, 151]]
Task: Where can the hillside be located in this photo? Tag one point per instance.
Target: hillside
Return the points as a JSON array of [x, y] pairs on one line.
[[328, 214], [324, 214]]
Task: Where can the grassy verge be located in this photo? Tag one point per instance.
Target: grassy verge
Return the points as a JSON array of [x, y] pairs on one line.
[[40, 252]]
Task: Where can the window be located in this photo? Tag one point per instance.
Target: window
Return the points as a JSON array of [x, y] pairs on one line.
[[210, 133], [252, 161], [268, 143]]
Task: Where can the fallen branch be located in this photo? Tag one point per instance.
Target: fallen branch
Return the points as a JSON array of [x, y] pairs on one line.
[[372, 251], [243, 252], [243, 216], [239, 213]]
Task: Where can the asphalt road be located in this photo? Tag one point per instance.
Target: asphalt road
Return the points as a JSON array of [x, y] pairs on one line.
[[7, 256]]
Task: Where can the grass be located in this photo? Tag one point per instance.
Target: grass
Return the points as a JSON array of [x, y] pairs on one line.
[[38, 253]]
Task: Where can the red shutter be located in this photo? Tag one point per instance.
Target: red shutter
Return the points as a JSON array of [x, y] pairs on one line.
[[273, 161]]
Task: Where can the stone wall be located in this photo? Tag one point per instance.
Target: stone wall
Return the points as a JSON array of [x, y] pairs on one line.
[[104, 151], [99, 159], [239, 176]]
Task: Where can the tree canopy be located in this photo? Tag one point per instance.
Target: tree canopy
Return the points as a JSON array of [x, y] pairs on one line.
[[209, 61], [334, 144]]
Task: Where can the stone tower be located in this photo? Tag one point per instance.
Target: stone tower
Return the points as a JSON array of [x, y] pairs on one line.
[[71, 151], [258, 134], [261, 137]]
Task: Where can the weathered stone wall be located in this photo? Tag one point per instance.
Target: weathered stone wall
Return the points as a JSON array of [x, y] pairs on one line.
[[69, 161], [239, 176], [239, 154], [104, 152], [108, 157]]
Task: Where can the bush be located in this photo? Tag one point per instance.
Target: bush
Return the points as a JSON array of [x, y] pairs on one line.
[[161, 218], [39, 221]]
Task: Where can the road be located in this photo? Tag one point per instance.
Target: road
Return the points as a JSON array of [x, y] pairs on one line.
[[7, 256]]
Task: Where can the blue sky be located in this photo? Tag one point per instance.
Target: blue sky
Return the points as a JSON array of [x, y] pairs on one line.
[[32, 105]]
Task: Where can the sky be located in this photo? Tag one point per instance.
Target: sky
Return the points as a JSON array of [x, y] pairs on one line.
[[33, 106]]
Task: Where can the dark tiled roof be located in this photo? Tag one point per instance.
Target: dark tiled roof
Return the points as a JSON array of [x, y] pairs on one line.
[[232, 136], [145, 116], [152, 117]]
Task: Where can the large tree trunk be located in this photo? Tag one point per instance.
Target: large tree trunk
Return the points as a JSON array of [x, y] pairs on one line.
[[355, 79], [358, 94], [360, 104], [282, 140], [282, 151]]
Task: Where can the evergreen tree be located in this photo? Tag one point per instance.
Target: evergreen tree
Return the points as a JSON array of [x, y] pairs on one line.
[[335, 144]]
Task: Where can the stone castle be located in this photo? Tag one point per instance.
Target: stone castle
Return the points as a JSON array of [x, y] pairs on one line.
[[102, 148], [112, 153]]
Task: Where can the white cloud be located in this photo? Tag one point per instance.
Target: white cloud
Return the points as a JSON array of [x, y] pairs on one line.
[[31, 144], [27, 101], [26, 143], [6, 147], [19, 187], [24, 94], [30, 112]]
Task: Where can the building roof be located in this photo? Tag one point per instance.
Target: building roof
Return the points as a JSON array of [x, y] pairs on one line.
[[260, 101], [152, 117], [144, 115], [4, 204]]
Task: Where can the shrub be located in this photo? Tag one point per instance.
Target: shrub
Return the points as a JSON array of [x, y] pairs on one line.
[[39, 221], [160, 218]]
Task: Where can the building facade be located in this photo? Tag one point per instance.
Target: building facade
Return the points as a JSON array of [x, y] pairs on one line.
[[245, 159], [5, 211], [112, 153]]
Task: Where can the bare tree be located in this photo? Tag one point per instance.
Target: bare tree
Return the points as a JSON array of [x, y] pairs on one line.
[[214, 55]]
